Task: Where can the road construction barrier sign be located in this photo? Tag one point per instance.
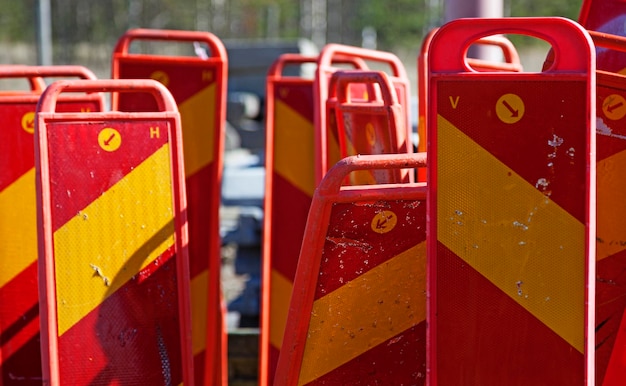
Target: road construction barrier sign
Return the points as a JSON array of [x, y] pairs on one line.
[[358, 309], [511, 62], [610, 252], [512, 203], [370, 123], [198, 84], [112, 236], [323, 119], [289, 186], [294, 156], [19, 309]]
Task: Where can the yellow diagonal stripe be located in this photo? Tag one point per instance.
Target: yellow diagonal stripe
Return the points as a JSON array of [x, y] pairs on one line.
[[18, 227], [197, 116], [281, 290], [294, 148], [334, 153], [199, 308], [365, 312], [511, 233], [113, 238], [611, 206]]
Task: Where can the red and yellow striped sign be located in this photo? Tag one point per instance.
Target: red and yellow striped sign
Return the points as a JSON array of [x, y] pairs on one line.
[[291, 158], [513, 187], [299, 145], [359, 307], [112, 236], [610, 251], [289, 188], [511, 63], [326, 136], [371, 123], [199, 88], [19, 311]]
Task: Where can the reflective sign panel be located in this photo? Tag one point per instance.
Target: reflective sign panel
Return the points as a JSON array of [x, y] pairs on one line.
[[113, 269], [198, 84], [359, 306], [512, 189], [19, 309]]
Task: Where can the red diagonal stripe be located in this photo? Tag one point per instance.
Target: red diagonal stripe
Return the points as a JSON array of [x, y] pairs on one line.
[[486, 338], [185, 80], [199, 215], [291, 207], [610, 305], [352, 248], [607, 145], [297, 95], [16, 145], [20, 359], [19, 311], [550, 139], [400, 360], [131, 338]]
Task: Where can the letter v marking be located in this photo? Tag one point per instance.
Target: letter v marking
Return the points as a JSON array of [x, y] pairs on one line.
[[454, 102]]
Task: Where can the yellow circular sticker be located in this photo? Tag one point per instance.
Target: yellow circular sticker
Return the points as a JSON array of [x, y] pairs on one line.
[[510, 108], [109, 139], [614, 107], [384, 221], [161, 77], [28, 122]]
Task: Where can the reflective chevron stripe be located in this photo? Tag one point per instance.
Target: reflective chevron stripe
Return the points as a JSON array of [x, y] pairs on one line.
[[366, 276], [198, 86], [373, 310], [19, 310], [290, 191], [512, 180], [114, 267], [93, 237], [551, 289]]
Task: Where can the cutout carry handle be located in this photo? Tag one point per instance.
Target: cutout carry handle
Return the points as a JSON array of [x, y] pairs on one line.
[[164, 100], [565, 37], [215, 47]]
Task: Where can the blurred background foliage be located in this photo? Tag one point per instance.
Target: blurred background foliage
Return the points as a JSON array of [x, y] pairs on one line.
[[398, 24]]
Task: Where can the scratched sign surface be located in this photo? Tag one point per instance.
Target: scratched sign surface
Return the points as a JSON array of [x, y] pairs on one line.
[[510, 250], [359, 306], [115, 271], [367, 322]]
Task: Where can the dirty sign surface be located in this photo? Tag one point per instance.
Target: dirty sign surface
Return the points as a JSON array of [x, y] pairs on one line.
[[115, 270], [114, 277], [359, 307], [512, 181]]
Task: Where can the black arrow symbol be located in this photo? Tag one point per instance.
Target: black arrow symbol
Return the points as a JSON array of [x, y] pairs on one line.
[[613, 107], [108, 141], [514, 112], [381, 223]]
